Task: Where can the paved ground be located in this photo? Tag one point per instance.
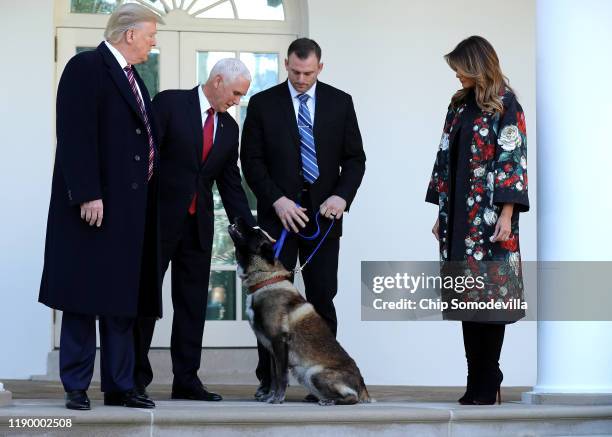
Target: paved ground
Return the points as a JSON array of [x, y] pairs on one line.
[[53, 390]]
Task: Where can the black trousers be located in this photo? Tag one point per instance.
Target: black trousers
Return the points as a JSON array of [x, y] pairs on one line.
[[78, 352], [190, 275], [320, 280]]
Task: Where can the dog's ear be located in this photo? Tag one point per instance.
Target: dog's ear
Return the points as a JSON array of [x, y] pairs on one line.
[[267, 251]]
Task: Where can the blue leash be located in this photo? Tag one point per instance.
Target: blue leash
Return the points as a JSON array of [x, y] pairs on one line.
[[278, 246]]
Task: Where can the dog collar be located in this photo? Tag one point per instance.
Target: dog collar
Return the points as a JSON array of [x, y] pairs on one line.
[[273, 280]]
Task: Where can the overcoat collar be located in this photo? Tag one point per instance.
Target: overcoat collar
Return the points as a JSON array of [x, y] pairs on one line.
[[119, 78]]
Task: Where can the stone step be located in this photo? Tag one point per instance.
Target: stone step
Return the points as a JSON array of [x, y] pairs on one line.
[[240, 418]]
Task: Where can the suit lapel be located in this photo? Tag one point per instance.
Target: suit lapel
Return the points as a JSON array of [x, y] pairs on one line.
[[289, 110], [320, 102], [118, 76], [195, 120]]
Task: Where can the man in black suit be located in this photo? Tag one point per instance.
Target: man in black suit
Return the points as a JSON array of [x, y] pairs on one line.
[[198, 147], [102, 231], [301, 145]]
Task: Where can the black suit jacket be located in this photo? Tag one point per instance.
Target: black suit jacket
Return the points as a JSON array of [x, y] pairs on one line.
[[182, 171], [270, 153], [102, 153]]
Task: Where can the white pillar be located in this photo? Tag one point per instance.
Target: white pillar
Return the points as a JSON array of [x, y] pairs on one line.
[[5, 396], [574, 141]]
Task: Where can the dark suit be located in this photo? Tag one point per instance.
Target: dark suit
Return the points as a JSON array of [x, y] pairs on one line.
[[111, 271], [272, 166], [187, 239]]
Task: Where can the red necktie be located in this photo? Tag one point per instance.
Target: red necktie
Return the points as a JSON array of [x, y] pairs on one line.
[[207, 132]]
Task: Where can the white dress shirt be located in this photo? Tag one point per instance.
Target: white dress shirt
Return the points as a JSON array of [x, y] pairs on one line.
[[122, 63], [204, 106], [310, 102]]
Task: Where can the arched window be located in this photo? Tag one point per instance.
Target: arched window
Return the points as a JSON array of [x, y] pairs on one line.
[[241, 16], [231, 9]]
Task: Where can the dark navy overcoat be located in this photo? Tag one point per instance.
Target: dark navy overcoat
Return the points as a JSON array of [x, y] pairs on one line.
[[102, 153]]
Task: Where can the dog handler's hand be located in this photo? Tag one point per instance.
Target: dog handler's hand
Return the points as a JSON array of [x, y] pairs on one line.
[[436, 229], [334, 207], [289, 214], [92, 212]]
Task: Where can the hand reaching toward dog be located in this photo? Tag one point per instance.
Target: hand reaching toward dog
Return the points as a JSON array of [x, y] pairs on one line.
[[333, 207], [290, 214]]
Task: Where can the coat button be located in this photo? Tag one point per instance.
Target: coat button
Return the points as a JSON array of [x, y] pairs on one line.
[[134, 186], [301, 173], [138, 131], [136, 158]]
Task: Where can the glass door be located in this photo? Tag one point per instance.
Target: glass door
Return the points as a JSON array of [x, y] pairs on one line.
[[264, 55]]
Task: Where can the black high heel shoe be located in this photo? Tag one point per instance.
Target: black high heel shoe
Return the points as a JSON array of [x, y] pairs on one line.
[[491, 390], [470, 391]]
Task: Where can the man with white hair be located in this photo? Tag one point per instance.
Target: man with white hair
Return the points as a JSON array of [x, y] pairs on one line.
[[102, 231], [198, 147]]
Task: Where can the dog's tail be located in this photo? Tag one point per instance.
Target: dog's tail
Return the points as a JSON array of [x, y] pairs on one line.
[[364, 396]]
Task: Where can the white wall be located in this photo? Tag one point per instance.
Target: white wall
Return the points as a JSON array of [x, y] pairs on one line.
[[26, 145], [388, 55]]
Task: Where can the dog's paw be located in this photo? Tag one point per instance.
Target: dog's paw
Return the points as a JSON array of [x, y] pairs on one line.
[[327, 402], [262, 391], [263, 397], [266, 397], [276, 400]]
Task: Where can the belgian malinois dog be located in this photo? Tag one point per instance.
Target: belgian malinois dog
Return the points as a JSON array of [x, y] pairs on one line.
[[290, 328]]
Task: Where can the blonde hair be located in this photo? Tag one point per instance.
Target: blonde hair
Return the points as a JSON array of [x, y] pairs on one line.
[[128, 16], [475, 58]]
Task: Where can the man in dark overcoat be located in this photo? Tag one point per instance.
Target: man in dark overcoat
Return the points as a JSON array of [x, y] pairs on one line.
[[101, 254]]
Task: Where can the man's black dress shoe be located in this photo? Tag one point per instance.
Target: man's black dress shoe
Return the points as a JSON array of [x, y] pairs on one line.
[[129, 399], [194, 393], [77, 400]]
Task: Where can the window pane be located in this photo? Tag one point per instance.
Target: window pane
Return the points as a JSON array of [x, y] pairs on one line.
[[221, 295], [107, 6], [249, 194], [260, 9], [148, 71], [206, 61], [224, 10], [93, 6], [198, 5], [223, 247], [263, 68]]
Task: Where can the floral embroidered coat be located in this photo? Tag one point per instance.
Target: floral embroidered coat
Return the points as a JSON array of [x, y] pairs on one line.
[[494, 148]]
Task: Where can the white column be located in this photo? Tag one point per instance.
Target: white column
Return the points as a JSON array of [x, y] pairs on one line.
[[5, 396], [574, 141]]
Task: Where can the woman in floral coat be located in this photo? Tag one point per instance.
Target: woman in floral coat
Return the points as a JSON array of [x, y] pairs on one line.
[[479, 182]]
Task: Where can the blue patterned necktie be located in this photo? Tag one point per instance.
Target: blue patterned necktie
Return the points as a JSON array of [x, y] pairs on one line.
[[309, 155]]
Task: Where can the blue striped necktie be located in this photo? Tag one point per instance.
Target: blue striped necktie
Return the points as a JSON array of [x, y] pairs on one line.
[[309, 155]]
